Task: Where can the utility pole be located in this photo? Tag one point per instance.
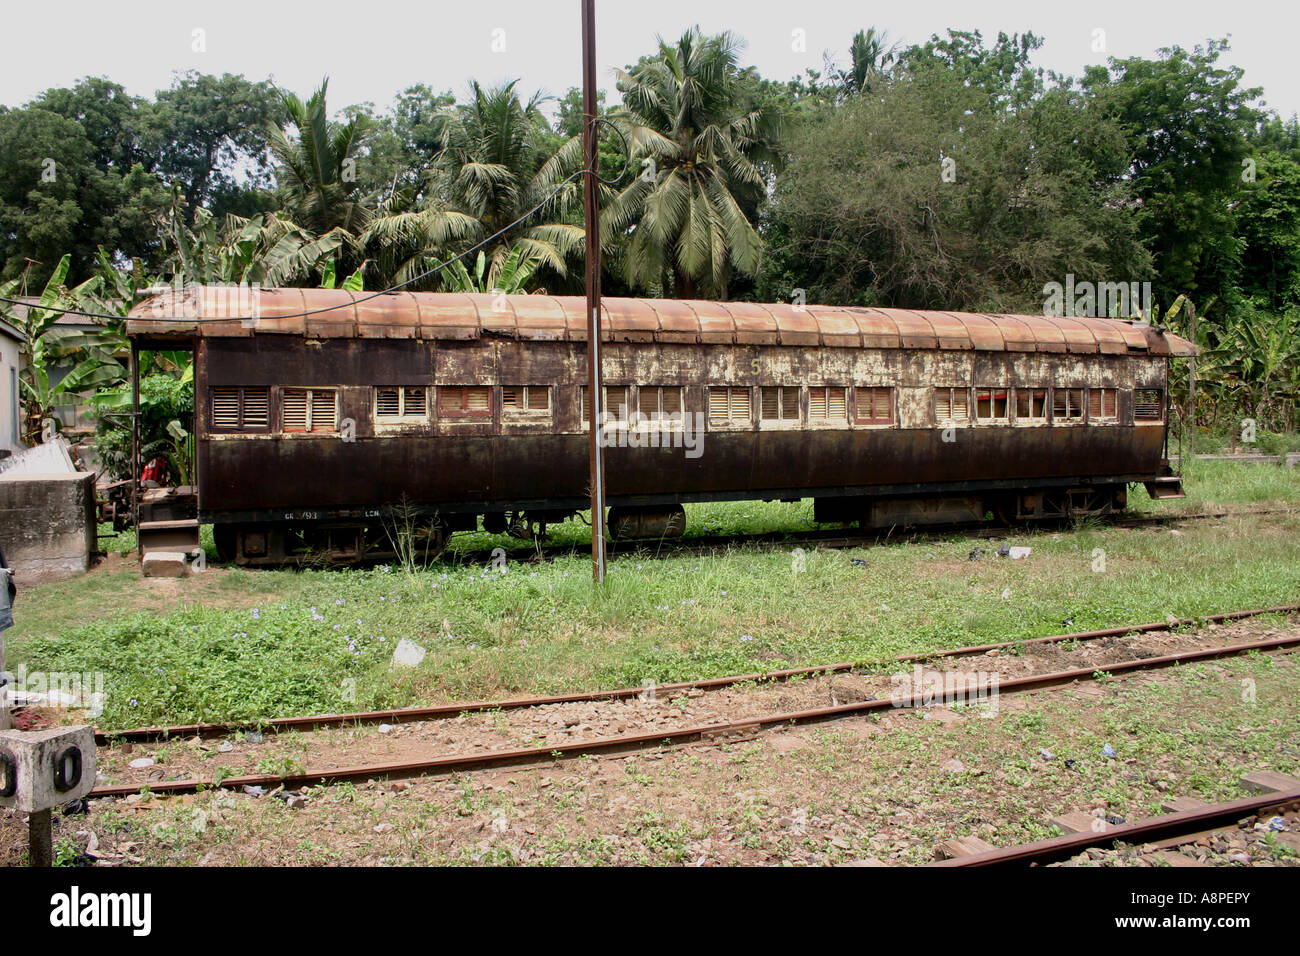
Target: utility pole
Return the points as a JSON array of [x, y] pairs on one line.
[[1190, 427], [592, 219]]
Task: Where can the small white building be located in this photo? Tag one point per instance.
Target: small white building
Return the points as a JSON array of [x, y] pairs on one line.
[[10, 414]]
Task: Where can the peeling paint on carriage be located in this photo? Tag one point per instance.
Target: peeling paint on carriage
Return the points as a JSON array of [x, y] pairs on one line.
[[489, 462]]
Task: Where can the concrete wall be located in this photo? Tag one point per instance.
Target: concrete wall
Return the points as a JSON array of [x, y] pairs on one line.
[[9, 405], [47, 523]]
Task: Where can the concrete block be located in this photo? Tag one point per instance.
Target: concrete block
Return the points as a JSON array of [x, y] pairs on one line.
[[1182, 804], [963, 846], [1174, 859], [44, 769], [47, 523], [1078, 822], [165, 564], [1267, 781]]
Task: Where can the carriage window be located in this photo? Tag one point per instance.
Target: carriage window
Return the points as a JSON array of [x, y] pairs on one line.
[[873, 406], [525, 399], [1067, 404], [1031, 404], [951, 405], [828, 405], [656, 403], [241, 409], [400, 403], [1148, 405], [729, 406], [991, 404], [1102, 405], [309, 410], [780, 403], [616, 403], [464, 401]]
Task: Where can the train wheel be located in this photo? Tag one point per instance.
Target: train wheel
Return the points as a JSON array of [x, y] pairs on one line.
[[223, 535], [1004, 510]]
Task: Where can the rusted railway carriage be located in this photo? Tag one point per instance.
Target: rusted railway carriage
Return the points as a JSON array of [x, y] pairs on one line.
[[318, 417]]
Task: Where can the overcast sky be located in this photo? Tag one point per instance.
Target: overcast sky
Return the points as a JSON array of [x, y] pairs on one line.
[[373, 49]]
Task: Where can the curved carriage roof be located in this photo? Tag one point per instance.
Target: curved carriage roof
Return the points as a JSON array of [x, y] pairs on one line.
[[220, 312]]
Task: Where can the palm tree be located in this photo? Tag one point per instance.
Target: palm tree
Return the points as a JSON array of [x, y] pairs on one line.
[[869, 58], [489, 171], [316, 170], [685, 213]]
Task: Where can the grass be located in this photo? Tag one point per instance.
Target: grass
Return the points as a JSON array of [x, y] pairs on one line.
[[234, 644], [874, 787]]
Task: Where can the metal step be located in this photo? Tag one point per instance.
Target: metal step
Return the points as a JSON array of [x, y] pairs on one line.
[[179, 535], [1167, 486]]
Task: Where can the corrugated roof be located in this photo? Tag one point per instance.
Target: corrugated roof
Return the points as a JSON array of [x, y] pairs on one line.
[[219, 312]]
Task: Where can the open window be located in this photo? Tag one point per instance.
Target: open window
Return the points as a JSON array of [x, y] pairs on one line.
[[1148, 406], [241, 409], [1103, 407], [1067, 405], [465, 402], [401, 404], [1031, 406], [779, 404], [951, 406], [992, 405], [828, 406], [729, 407], [873, 405], [525, 401], [309, 411]]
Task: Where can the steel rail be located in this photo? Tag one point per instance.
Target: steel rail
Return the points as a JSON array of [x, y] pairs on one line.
[[1141, 831], [411, 714], [534, 755]]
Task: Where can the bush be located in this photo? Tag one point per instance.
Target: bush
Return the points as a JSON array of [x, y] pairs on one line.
[[163, 399]]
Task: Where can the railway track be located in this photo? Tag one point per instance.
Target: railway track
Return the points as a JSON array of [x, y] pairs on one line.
[[1171, 829], [410, 714], [831, 539], [710, 732]]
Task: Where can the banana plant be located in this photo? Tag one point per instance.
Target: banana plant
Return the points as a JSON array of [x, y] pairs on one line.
[[353, 283], [516, 272], [92, 355]]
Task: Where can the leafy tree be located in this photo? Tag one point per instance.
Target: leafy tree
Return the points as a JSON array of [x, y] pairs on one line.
[[684, 214], [1187, 119], [75, 176], [1267, 218], [963, 183], [210, 137]]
